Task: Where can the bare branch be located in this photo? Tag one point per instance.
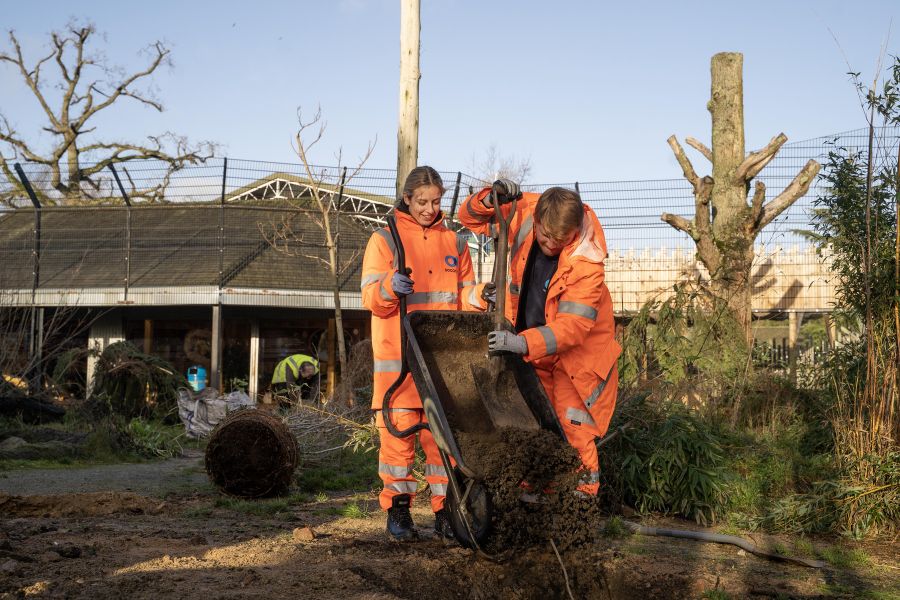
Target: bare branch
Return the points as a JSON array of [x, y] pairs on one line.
[[19, 61], [681, 224], [796, 189], [701, 206], [756, 161], [756, 206], [686, 167], [699, 147]]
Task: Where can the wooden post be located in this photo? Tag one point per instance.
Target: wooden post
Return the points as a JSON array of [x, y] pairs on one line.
[[253, 384], [408, 126], [830, 330], [215, 359], [332, 355], [148, 336], [795, 320]]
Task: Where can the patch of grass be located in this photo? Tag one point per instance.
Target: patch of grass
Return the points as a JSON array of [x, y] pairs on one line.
[[780, 548], [353, 510], [321, 497], [197, 512], [355, 471], [845, 558], [730, 529], [614, 528], [804, 547], [263, 507]]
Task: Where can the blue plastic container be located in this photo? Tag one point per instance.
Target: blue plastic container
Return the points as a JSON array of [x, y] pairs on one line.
[[196, 376]]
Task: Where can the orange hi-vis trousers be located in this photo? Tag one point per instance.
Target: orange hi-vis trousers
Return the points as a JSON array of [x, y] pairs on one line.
[[396, 457], [578, 426]]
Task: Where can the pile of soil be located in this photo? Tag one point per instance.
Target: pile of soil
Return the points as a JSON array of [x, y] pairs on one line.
[[93, 504], [514, 461]]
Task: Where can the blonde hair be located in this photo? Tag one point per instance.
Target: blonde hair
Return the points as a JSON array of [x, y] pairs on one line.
[[560, 212]]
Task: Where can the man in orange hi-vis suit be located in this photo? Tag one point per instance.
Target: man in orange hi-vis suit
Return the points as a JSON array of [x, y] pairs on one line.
[[561, 308], [441, 279]]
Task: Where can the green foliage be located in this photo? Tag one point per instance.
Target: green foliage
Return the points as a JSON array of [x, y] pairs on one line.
[[356, 471], [133, 384], [153, 439], [353, 510], [671, 463], [845, 558], [688, 334]]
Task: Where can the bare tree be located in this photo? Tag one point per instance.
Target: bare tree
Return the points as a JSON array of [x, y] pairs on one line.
[[725, 226], [291, 237], [81, 85], [491, 165]]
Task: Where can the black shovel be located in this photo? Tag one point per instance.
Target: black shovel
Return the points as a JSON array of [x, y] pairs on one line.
[[496, 384]]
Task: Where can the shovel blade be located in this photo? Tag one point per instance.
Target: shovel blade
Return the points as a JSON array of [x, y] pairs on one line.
[[501, 398]]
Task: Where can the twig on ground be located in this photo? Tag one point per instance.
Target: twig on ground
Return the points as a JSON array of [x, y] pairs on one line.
[[565, 573]]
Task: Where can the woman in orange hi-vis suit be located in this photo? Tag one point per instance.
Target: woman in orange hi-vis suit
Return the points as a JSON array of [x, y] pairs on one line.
[[441, 279], [561, 308]]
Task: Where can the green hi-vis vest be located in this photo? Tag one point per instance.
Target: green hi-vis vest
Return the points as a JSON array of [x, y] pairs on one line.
[[293, 363]]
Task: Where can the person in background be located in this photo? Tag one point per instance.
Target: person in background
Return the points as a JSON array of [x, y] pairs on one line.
[[560, 306], [296, 380], [441, 278]]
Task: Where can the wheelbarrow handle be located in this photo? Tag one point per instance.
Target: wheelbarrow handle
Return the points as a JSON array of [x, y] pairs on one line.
[[404, 363]]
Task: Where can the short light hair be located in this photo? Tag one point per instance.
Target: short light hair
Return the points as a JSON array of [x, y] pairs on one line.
[[560, 212]]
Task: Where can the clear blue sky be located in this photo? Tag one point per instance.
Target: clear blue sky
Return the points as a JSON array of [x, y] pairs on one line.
[[587, 90]]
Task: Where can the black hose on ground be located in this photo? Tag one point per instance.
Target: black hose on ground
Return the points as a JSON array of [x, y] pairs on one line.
[[718, 538]]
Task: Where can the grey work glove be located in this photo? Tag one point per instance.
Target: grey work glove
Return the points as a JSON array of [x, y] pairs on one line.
[[401, 284], [507, 190], [507, 341], [489, 292]]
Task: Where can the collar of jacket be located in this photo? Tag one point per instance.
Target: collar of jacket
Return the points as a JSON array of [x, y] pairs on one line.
[[588, 245], [407, 219]]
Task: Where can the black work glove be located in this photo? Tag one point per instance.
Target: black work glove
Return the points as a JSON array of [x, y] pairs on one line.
[[489, 292], [507, 190]]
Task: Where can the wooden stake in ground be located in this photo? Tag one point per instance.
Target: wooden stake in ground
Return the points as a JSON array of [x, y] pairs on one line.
[[725, 225], [408, 127]]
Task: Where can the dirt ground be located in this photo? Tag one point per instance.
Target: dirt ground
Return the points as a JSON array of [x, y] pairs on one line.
[[156, 531]]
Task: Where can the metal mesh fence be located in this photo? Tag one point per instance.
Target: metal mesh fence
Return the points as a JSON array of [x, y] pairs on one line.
[[236, 231]]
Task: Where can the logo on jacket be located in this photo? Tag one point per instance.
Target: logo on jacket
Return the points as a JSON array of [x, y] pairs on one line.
[[546, 285], [451, 261]]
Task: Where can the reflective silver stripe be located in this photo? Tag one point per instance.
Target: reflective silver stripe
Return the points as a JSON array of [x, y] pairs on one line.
[[577, 308], [403, 487], [385, 295], [583, 417], [388, 366], [461, 244], [390, 242], [595, 394], [438, 489], [395, 470], [435, 471], [591, 477], [474, 300], [524, 232], [370, 279], [432, 297], [475, 216], [549, 338], [463, 284], [513, 289], [400, 410]]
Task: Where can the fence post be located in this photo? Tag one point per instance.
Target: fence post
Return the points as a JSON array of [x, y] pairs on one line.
[[455, 195], [127, 228], [222, 224]]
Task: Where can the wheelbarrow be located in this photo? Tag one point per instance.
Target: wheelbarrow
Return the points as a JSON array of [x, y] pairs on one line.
[[446, 354]]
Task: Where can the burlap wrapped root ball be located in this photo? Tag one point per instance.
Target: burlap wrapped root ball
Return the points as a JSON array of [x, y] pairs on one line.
[[251, 454]]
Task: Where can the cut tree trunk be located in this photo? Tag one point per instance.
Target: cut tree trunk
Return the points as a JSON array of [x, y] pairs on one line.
[[408, 128], [725, 224]]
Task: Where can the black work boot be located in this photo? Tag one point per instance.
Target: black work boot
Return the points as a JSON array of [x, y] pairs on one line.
[[442, 526], [399, 521]]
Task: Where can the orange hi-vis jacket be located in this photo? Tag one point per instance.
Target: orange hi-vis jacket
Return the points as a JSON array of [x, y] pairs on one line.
[[579, 334], [444, 280]]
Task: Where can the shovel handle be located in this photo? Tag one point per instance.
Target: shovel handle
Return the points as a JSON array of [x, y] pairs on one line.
[[501, 257], [404, 365]]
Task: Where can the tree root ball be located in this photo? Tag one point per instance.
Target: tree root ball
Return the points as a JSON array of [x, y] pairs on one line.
[[251, 454]]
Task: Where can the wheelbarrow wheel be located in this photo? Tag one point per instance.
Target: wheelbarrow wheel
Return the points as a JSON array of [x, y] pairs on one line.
[[472, 525]]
